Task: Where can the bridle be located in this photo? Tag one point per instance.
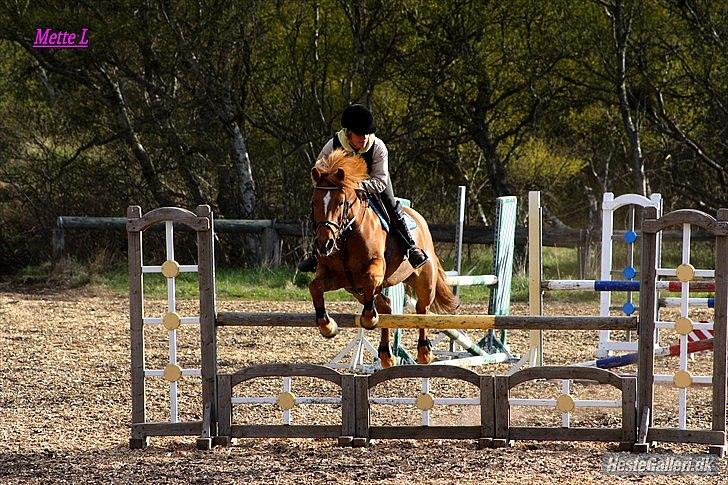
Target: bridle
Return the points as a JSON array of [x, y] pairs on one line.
[[345, 223]]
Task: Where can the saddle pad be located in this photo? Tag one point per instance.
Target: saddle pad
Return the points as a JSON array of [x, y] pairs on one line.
[[379, 211]]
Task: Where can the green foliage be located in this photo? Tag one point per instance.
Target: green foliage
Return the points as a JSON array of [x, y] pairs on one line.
[[68, 273], [535, 161], [172, 100]]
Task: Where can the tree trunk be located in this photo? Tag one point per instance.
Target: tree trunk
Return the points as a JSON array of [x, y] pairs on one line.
[[494, 164], [621, 28], [243, 174], [149, 171], [243, 170]]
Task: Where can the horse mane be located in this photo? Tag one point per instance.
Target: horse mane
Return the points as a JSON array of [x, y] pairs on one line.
[[353, 166]]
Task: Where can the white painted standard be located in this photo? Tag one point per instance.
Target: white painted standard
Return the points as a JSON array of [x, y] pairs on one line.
[[607, 345]]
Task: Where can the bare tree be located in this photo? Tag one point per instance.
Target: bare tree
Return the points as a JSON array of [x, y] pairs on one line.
[[622, 15]]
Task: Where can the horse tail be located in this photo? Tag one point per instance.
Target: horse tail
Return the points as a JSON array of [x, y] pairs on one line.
[[445, 299]]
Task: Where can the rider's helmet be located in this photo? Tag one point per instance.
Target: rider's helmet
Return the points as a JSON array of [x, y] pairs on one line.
[[358, 119]]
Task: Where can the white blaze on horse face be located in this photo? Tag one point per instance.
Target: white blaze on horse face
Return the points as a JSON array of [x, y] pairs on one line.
[[327, 199]]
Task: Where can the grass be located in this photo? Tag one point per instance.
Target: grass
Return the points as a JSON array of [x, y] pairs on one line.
[[285, 284], [274, 284], [279, 284]]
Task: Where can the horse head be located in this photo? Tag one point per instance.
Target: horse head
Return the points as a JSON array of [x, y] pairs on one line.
[[336, 202]]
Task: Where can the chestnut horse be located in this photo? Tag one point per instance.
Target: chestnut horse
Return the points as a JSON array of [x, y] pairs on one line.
[[356, 253]]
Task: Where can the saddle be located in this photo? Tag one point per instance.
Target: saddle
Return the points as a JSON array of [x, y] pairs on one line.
[[376, 204]]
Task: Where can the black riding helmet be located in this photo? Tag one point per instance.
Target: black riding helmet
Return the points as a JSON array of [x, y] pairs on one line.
[[358, 119]]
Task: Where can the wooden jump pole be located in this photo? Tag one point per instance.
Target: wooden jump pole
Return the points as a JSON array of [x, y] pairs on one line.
[[534, 356], [460, 322]]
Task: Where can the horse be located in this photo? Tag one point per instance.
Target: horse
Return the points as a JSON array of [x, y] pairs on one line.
[[356, 253]]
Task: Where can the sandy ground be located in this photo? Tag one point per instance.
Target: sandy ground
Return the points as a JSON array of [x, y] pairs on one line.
[[65, 407]]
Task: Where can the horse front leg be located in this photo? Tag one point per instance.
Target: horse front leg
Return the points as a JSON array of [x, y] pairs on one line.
[[385, 349], [424, 345], [371, 280], [322, 283]]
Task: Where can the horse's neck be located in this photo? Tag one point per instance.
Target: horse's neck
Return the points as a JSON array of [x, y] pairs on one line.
[[368, 231], [369, 224]]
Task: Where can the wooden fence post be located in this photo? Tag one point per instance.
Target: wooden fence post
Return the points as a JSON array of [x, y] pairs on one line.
[[59, 240], [271, 247]]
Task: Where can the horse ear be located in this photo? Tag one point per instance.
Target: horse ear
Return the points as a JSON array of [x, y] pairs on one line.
[[315, 174], [340, 175]]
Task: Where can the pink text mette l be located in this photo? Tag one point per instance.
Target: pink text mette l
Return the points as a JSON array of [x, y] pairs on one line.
[[49, 38], [84, 40]]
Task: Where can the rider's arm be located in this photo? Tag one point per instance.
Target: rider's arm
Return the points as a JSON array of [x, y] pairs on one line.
[[326, 150], [379, 175]]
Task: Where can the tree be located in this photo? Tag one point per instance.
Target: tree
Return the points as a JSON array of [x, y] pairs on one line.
[[689, 98], [481, 74]]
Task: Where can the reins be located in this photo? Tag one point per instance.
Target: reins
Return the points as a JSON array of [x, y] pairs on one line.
[[341, 229]]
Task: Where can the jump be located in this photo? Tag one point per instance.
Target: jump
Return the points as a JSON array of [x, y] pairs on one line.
[[356, 253]]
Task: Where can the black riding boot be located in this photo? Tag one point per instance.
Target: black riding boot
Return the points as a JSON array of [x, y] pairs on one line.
[[415, 255], [308, 264]]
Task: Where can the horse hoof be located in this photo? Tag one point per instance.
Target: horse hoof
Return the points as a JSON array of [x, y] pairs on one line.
[[369, 321], [386, 360], [328, 327], [424, 355], [424, 358]]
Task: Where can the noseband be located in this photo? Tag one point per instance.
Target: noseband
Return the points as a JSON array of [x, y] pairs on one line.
[[345, 223]]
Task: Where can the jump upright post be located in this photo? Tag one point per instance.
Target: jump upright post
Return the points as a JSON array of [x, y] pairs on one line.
[[633, 203], [627, 280], [202, 223], [682, 379], [492, 348]]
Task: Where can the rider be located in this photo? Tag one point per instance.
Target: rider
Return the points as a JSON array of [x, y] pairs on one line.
[[357, 137]]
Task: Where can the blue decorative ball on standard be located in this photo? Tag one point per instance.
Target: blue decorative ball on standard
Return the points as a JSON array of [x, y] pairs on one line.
[[629, 308], [629, 272], [630, 237]]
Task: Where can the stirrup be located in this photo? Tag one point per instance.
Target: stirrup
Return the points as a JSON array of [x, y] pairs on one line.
[[308, 265], [417, 257]]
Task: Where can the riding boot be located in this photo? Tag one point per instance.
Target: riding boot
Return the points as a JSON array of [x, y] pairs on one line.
[[415, 255], [308, 264]]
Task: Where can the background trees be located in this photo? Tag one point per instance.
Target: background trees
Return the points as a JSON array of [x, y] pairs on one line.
[[228, 103]]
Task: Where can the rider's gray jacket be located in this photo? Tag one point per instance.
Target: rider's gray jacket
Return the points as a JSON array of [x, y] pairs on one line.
[[379, 168]]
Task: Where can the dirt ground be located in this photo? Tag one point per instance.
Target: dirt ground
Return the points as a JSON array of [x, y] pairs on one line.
[[65, 406]]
